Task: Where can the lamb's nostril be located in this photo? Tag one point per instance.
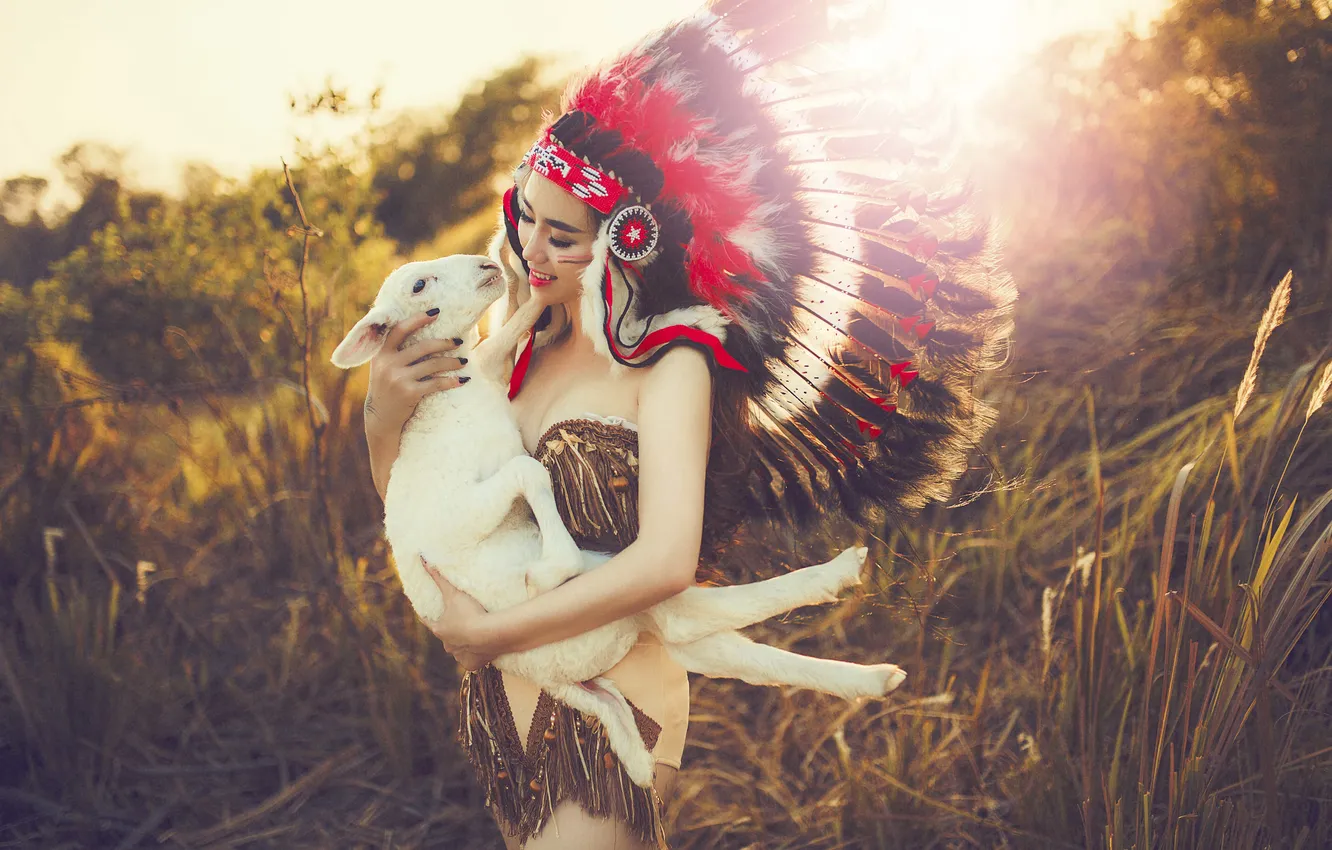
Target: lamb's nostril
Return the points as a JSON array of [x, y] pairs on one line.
[[489, 267]]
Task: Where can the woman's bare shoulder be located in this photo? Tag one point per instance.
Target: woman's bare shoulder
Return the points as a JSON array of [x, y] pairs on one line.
[[677, 392], [681, 364]]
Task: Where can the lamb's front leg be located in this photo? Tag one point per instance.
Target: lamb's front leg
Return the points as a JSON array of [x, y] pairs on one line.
[[701, 611], [494, 355], [731, 655], [480, 509], [560, 558], [485, 505]]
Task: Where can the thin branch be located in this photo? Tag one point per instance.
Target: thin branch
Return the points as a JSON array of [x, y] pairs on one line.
[[307, 232]]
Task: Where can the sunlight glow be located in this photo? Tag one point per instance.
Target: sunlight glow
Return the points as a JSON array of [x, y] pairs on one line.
[[953, 55]]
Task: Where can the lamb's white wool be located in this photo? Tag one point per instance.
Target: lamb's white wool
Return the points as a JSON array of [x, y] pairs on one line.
[[452, 502]]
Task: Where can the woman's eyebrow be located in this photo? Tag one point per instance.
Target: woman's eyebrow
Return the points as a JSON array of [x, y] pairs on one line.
[[553, 222]]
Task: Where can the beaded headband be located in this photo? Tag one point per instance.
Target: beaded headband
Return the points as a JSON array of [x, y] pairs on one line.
[[634, 230]]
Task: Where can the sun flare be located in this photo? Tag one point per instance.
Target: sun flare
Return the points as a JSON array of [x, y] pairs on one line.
[[952, 54]]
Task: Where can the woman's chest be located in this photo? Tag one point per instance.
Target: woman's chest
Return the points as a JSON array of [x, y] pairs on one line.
[[560, 387]]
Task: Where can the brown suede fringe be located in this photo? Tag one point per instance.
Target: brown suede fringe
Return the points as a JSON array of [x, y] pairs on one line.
[[594, 472], [567, 758]]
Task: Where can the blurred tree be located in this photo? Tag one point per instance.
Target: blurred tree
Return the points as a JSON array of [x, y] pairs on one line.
[[435, 176], [21, 198], [26, 243], [1264, 71], [1155, 196], [1211, 134]]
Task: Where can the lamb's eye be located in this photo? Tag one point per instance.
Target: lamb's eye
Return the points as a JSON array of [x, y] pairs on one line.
[[418, 286]]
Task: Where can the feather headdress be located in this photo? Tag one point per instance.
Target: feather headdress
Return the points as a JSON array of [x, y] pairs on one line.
[[764, 204]]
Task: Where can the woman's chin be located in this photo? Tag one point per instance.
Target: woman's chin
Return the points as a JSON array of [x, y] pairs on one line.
[[556, 292]]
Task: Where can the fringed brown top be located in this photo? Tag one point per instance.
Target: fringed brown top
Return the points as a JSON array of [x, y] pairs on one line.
[[593, 467], [594, 472]]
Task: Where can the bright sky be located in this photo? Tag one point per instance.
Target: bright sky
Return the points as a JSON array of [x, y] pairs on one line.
[[178, 80]]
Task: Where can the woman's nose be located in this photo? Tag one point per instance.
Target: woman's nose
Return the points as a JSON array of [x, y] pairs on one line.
[[532, 250]]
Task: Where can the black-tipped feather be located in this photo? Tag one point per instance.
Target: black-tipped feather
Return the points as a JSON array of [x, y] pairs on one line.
[[879, 414], [863, 339]]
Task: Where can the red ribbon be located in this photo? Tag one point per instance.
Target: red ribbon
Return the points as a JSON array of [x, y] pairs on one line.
[[664, 335], [887, 406], [520, 368]]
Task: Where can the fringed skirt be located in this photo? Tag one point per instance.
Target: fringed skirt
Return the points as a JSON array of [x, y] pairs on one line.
[[566, 757]]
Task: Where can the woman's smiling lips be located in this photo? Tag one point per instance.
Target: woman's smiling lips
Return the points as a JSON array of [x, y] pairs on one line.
[[536, 278]]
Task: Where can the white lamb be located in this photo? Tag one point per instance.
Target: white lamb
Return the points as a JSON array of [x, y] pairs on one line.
[[453, 501]]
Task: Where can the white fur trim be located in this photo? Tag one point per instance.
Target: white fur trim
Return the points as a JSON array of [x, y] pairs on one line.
[[592, 308]]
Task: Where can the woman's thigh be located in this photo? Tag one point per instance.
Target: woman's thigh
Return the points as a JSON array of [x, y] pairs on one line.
[[571, 828]]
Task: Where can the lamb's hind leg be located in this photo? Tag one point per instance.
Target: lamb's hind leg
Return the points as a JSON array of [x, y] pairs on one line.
[[603, 700], [730, 655], [701, 611]]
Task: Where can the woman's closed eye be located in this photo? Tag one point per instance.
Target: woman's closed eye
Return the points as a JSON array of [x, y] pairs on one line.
[[554, 243]]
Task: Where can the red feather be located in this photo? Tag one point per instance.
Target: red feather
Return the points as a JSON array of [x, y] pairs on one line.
[[653, 120]]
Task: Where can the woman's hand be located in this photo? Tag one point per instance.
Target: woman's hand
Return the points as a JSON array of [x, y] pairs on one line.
[[400, 376], [461, 627]]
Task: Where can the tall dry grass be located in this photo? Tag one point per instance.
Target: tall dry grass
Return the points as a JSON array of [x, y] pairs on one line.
[[1122, 648]]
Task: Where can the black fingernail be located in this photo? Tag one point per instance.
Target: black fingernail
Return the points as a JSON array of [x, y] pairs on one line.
[[457, 341], [433, 311], [464, 379], [462, 360]]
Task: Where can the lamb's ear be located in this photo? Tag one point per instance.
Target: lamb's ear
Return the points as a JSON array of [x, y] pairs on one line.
[[364, 340]]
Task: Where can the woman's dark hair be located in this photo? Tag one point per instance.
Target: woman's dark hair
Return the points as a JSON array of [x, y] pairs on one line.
[[666, 287]]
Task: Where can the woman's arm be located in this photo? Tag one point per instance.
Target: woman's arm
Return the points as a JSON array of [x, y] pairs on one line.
[[674, 413]]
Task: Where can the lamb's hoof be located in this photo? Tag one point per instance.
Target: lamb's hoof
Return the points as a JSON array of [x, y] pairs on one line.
[[563, 561], [534, 588], [892, 676], [540, 580], [841, 572], [851, 565]]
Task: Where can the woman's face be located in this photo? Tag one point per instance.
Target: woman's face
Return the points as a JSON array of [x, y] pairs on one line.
[[556, 231]]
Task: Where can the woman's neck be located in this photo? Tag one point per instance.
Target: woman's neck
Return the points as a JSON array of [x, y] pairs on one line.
[[578, 339]]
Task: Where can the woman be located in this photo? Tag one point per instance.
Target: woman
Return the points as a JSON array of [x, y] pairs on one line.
[[738, 327]]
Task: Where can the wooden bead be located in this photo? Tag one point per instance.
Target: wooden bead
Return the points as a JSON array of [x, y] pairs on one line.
[[550, 734]]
